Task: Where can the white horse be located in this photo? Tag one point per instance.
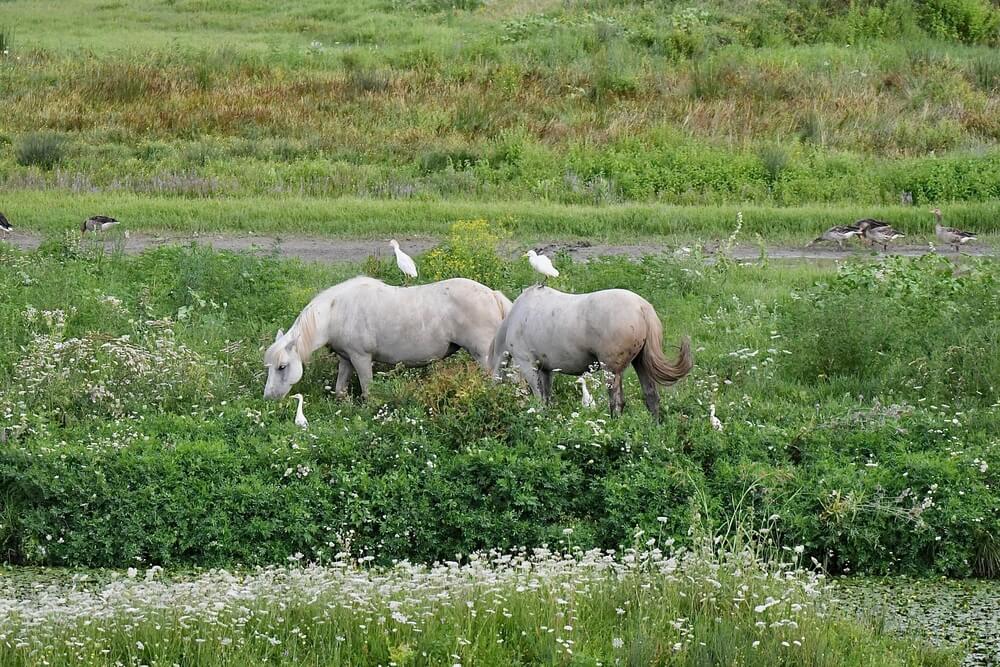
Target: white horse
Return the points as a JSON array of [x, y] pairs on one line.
[[549, 331], [363, 320]]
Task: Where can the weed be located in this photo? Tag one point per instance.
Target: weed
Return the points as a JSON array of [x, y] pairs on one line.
[[40, 149]]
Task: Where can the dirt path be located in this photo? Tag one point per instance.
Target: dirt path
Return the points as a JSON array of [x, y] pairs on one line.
[[332, 250]]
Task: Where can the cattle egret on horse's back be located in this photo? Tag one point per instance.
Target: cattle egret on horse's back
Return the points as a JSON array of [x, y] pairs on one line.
[[300, 417], [542, 264], [97, 223], [404, 261], [5, 225], [588, 400]]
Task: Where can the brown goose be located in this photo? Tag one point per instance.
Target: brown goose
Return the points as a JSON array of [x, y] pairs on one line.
[[882, 235], [97, 223], [868, 223], [838, 234], [5, 225], [950, 235]]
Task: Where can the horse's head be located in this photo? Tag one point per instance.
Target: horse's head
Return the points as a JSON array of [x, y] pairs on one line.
[[283, 364]]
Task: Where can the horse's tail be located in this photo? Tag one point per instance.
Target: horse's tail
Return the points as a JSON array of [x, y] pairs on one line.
[[657, 365], [503, 303]]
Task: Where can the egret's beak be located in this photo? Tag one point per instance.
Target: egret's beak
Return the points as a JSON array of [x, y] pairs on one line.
[[525, 255]]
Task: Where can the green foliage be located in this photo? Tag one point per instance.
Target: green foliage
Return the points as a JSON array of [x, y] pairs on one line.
[[470, 251], [180, 461], [40, 149], [909, 324]]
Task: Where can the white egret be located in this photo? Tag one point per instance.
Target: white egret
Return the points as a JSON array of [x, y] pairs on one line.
[[542, 264], [588, 400], [404, 261], [716, 424], [5, 226], [97, 223], [300, 417]]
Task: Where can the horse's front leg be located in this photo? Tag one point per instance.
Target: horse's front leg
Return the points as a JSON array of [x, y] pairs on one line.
[[363, 367], [344, 372]]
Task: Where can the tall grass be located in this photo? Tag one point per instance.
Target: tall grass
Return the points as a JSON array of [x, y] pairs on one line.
[[646, 607]]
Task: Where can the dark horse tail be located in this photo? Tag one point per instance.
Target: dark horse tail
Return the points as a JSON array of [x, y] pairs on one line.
[[657, 365]]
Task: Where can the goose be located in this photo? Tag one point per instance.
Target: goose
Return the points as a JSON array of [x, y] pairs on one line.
[[97, 223], [882, 235], [542, 265], [588, 400], [950, 235], [838, 234], [404, 261], [865, 224], [5, 225], [300, 417]]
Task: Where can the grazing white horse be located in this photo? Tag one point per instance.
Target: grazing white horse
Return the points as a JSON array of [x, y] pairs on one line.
[[363, 320], [549, 331]]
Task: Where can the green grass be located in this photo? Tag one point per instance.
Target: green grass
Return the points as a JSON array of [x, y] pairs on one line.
[[47, 213], [859, 406], [590, 103]]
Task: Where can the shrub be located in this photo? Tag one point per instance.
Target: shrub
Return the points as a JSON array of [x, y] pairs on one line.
[[470, 251], [40, 149]]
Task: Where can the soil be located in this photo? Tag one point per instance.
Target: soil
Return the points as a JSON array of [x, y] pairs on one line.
[[333, 250]]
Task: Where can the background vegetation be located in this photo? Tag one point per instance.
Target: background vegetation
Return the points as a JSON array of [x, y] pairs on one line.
[[591, 102], [859, 405]]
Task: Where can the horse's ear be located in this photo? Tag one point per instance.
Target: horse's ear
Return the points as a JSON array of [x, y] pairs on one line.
[[278, 336]]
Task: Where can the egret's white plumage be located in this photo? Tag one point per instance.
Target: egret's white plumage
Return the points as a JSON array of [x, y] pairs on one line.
[[404, 261], [542, 264], [716, 424], [300, 417], [588, 400]]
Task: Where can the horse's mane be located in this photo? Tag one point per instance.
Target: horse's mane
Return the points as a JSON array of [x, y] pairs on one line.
[[305, 330]]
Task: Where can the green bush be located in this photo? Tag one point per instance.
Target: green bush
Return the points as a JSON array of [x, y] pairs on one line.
[[40, 149]]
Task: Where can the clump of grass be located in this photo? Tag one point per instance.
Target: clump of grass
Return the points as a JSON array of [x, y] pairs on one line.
[[6, 38], [986, 73], [40, 149], [774, 158], [367, 81]]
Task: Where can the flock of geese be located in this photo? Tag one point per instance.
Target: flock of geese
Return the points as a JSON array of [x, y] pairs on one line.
[[872, 231]]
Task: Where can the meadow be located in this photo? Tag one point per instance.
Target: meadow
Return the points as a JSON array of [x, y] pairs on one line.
[[154, 509], [412, 105]]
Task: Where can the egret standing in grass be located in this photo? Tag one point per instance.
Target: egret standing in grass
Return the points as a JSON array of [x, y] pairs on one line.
[[404, 261], [5, 225], [97, 223], [588, 400], [542, 264], [300, 417], [715, 421]]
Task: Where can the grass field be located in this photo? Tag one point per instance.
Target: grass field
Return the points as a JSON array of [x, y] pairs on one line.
[[594, 103]]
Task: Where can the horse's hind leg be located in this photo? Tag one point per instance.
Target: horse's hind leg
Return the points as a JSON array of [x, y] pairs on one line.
[[650, 390], [344, 372], [616, 397], [363, 367]]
